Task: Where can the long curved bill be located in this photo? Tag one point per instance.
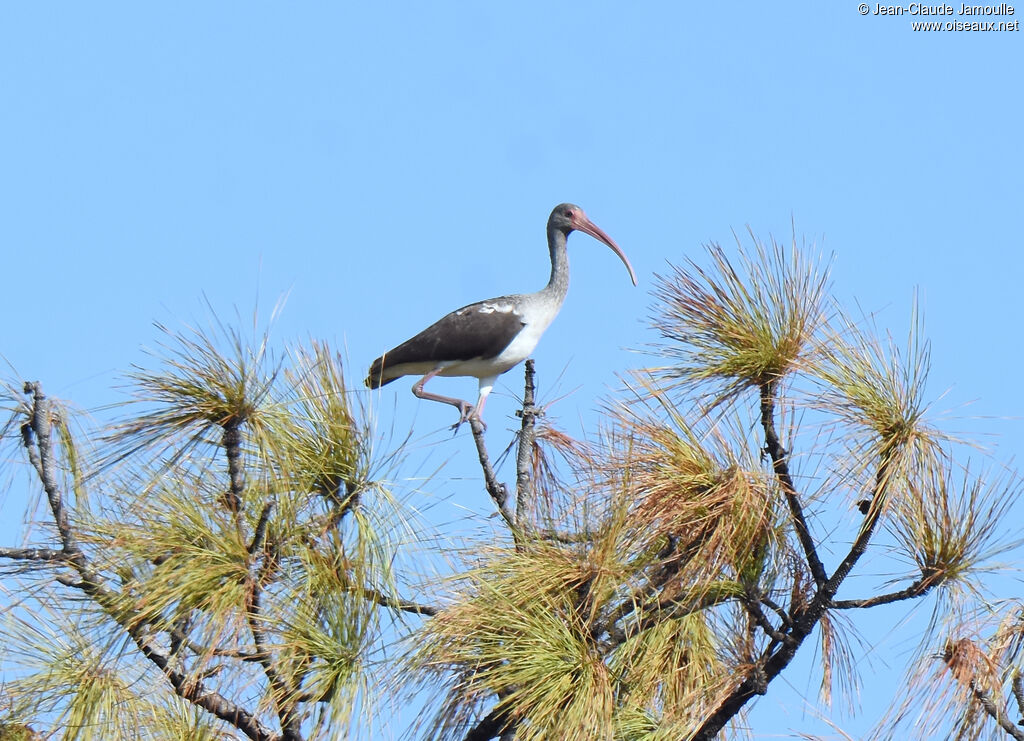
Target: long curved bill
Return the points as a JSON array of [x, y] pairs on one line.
[[585, 225]]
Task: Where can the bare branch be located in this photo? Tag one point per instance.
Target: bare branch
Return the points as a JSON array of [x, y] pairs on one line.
[[753, 608], [490, 727], [524, 481], [777, 609], [778, 657], [34, 554], [1018, 690], [30, 447], [260, 534], [867, 528], [232, 442], [283, 696], [497, 490], [919, 588], [45, 462], [780, 465]]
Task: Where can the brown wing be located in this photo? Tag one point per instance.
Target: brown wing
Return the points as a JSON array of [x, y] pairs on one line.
[[480, 330]]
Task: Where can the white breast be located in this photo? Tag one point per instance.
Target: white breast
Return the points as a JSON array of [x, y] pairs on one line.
[[524, 343], [535, 319]]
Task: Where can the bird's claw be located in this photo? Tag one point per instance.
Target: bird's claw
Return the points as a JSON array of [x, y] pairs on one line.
[[466, 415]]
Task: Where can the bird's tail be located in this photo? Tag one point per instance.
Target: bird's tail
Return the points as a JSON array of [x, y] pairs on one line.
[[375, 378]]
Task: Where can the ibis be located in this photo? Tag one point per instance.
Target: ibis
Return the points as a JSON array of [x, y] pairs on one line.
[[487, 338]]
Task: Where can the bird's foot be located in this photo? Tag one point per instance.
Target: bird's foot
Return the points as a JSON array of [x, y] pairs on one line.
[[466, 414]]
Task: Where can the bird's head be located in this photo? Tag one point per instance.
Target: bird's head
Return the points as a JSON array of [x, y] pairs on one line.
[[568, 217]]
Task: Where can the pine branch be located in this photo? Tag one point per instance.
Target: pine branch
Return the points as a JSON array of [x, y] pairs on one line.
[[1018, 690], [777, 609], [777, 657], [995, 713], [180, 638], [563, 536], [641, 598], [656, 614], [29, 442], [38, 441], [195, 692]]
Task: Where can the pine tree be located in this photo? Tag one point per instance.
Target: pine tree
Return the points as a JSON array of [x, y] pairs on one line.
[[233, 557]]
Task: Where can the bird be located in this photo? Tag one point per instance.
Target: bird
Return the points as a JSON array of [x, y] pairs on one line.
[[488, 338]]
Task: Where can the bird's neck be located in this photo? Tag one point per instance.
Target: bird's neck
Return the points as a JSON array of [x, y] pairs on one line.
[[558, 285]]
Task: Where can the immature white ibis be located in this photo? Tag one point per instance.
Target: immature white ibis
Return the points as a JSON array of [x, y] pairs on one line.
[[487, 338]]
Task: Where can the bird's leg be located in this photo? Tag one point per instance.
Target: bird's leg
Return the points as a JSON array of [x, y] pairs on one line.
[[464, 407], [486, 384], [478, 410]]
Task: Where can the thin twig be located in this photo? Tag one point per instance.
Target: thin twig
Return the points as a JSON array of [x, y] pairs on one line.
[[395, 603], [753, 607], [919, 588], [777, 609]]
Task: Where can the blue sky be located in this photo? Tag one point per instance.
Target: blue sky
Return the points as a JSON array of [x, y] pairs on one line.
[[382, 165]]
